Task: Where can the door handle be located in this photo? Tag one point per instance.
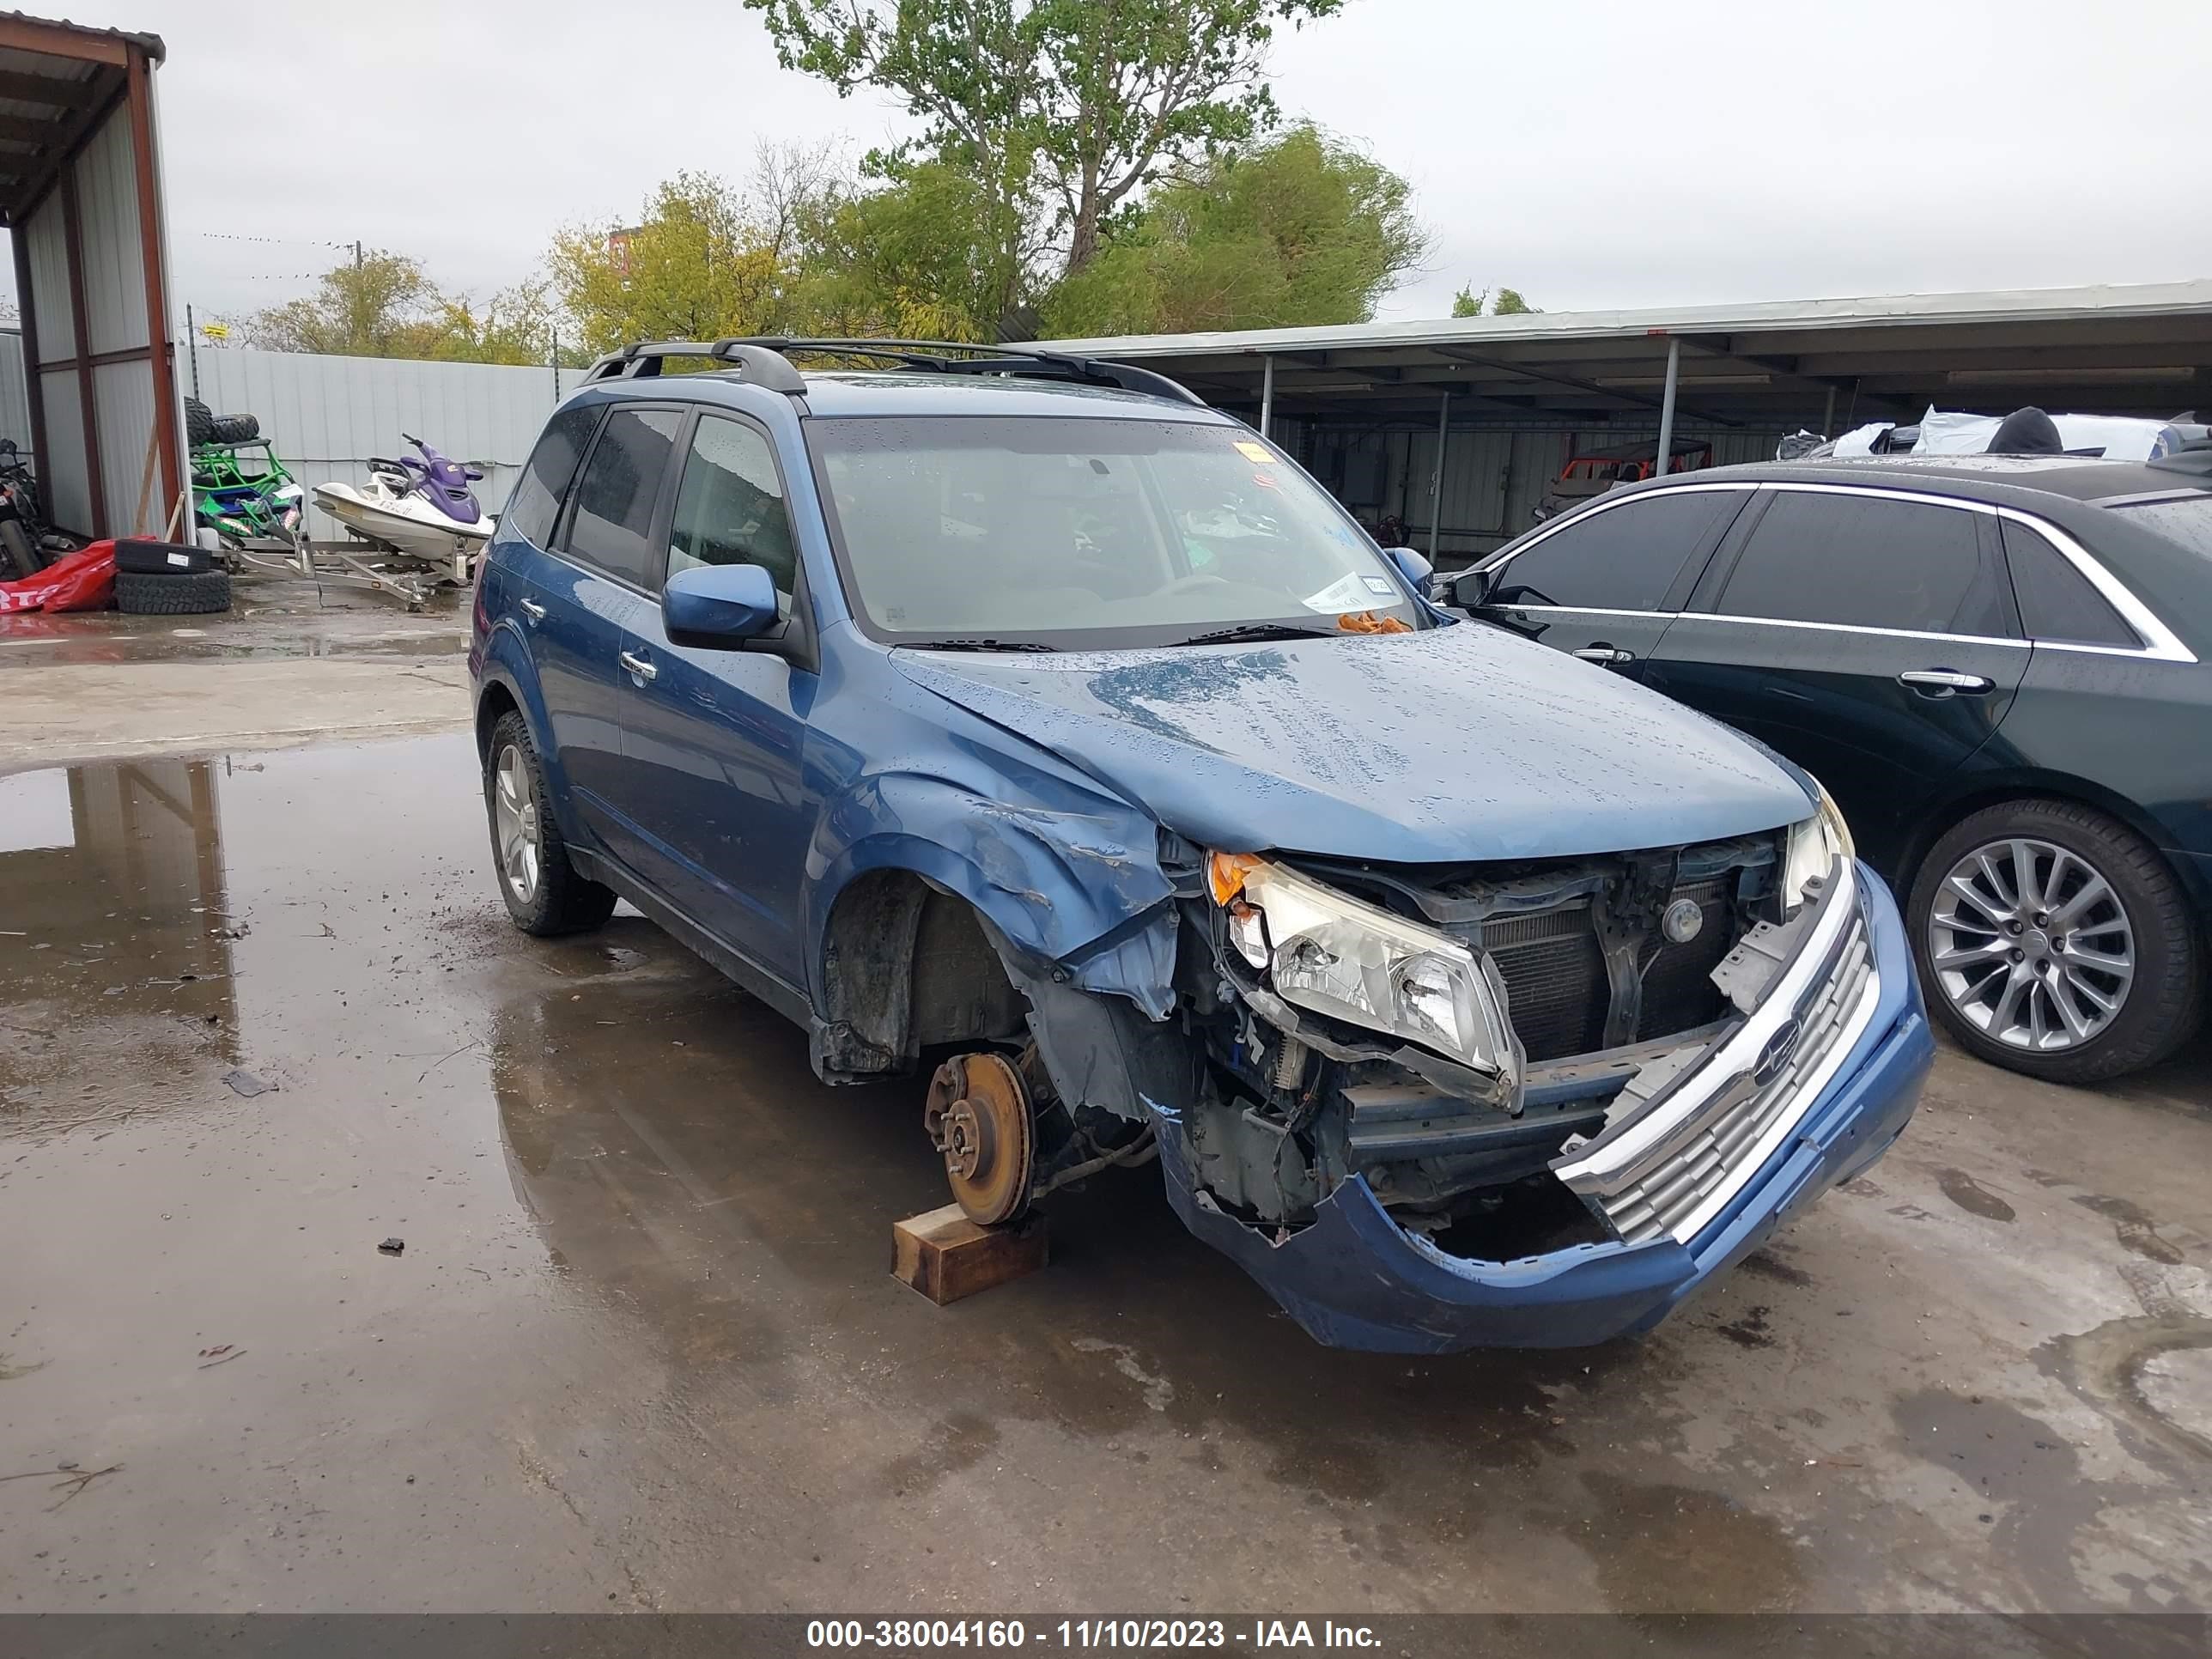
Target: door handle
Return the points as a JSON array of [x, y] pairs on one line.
[[638, 666], [1946, 682], [534, 611], [1605, 653]]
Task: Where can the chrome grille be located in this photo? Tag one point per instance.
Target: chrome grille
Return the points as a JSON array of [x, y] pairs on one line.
[[1674, 1189]]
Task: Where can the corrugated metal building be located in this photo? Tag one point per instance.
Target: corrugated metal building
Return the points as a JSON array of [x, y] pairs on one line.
[[80, 193], [1362, 404]]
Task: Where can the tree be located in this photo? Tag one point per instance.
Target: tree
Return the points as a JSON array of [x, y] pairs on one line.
[[1509, 303], [515, 325], [1069, 107], [699, 266], [382, 305], [1300, 230], [922, 256]]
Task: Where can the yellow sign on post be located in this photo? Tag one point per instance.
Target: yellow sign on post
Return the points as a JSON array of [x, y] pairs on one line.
[[216, 330]]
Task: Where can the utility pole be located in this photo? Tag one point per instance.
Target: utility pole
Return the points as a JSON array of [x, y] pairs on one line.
[[356, 256], [192, 348]]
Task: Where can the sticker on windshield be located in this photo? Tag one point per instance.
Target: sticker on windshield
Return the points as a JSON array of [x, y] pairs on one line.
[[1252, 452], [1346, 593], [1380, 585]]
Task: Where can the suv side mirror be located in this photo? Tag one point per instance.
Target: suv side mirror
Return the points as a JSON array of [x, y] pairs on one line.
[[1471, 588], [1412, 565], [718, 605]]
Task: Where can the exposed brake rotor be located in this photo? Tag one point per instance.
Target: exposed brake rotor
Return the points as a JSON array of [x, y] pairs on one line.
[[977, 1114]]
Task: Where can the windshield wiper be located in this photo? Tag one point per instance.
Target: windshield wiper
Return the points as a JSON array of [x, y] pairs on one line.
[[974, 644], [1259, 631]]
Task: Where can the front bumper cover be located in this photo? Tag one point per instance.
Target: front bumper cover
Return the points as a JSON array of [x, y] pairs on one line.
[[1354, 1279]]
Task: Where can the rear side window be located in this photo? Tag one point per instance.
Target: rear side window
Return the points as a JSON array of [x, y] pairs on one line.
[[611, 524], [536, 503], [2057, 602], [729, 509], [1621, 558], [1858, 561]]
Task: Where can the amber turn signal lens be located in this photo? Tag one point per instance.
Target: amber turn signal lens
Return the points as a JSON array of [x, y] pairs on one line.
[[1226, 874]]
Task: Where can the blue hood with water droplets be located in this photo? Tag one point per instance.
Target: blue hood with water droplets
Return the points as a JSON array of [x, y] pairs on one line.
[[1456, 742]]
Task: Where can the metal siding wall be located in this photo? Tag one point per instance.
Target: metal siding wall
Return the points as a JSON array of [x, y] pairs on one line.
[[327, 415], [14, 395], [113, 251], [47, 247], [63, 484], [122, 401]]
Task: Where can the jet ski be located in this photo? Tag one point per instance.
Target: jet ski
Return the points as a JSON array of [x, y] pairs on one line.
[[420, 505]]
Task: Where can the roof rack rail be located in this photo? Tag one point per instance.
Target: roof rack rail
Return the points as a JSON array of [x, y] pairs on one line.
[[641, 359]]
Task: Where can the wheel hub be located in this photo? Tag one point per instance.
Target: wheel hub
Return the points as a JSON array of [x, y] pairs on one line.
[[978, 1116]]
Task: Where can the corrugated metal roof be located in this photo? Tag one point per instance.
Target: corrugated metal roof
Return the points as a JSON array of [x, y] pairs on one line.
[[151, 42], [2137, 348], [1995, 306]]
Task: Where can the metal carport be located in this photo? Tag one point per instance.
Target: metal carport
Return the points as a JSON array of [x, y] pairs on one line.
[[80, 194], [1456, 424]]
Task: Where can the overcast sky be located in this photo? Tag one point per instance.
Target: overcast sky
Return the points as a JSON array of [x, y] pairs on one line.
[[1591, 155]]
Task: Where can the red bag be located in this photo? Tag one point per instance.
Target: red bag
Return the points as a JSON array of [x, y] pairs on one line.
[[85, 580]]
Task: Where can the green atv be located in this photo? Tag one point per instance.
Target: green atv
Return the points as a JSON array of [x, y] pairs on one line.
[[240, 489]]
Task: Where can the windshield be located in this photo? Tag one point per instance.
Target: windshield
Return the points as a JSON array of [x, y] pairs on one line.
[[1089, 532], [2188, 521]]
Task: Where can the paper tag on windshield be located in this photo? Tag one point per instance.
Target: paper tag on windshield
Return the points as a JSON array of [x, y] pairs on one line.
[[1346, 593], [1252, 452]]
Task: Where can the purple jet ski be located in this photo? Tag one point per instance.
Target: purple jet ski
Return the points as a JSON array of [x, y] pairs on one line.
[[420, 505]]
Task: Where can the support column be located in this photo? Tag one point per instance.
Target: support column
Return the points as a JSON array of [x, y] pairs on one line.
[[1667, 410], [1267, 396], [1828, 418], [1436, 479]]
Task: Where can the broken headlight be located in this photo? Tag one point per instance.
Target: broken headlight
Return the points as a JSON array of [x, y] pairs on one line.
[[1814, 847], [1329, 952]]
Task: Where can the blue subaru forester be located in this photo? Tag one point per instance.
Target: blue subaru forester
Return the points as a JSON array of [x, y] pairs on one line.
[[1020, 716]]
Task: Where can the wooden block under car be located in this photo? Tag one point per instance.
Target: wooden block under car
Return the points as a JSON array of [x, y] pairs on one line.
[[945, 1256]]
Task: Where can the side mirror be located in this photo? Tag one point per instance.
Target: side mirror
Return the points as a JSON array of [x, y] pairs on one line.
[[718, 605], [1471, 588], [1412, 565]]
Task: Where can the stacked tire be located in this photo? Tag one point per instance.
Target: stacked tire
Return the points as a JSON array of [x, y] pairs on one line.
[[169, 579], [204, 426]]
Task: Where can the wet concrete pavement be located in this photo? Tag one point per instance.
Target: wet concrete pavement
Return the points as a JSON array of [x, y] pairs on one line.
[[641, 1349], [293, 662]]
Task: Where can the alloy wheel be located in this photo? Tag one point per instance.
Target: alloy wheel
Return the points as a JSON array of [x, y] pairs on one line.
[[2030, 945], [514, 824]]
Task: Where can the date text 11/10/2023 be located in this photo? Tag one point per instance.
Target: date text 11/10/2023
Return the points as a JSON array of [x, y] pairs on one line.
[[1086, 1634]]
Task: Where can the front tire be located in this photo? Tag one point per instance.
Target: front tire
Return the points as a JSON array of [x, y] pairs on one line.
[[2054, 940], [545, 894]]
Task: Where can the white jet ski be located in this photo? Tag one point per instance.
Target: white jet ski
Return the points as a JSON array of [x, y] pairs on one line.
[[422, 508]]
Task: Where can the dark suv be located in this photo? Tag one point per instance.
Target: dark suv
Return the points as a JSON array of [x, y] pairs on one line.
[[1020, 719], [1997, 664]]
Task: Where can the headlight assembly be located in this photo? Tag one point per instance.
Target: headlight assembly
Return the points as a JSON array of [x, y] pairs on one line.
[[1814, 847], [1335, 955]]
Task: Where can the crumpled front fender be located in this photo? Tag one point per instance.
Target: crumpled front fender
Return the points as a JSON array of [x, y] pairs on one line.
[[1075, 881]]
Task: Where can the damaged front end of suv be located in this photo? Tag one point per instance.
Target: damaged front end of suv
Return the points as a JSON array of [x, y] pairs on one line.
[[1523, 1103]]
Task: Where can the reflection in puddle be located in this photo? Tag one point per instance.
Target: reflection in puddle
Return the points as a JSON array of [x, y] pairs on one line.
[[113, 907]]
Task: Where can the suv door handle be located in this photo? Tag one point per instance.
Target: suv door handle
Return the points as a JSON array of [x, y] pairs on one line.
[[1603, 652], [534, 611], [1944, 681], [638, 666]]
